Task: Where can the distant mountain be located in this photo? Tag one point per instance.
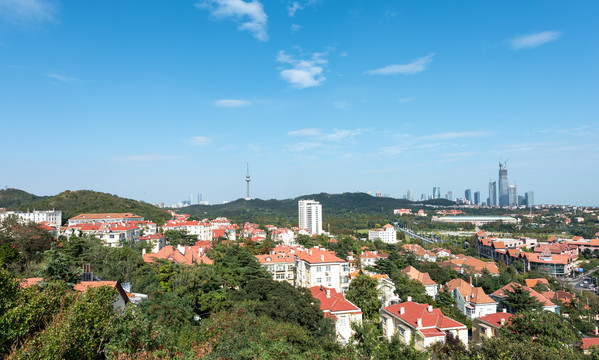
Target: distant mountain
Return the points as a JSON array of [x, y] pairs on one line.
[[13, 198], [333, 205], [73, 203]]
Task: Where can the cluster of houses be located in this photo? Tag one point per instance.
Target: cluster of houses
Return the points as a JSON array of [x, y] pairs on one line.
[[556, 257]]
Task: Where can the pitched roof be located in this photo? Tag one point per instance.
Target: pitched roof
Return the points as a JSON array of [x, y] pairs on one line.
[[275, 258], [317, 255], [104, 216], [533, 282], [192, 255], [495, 319], [430, 319], [474, 295], [475, 264], [588, 343], [25, 283], [335, 302], [510, 288], [413, 274], [85, 285]]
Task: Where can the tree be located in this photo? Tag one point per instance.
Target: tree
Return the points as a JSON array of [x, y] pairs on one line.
[[236, 266], [544, 327], [57, 268], [364, 294], [452, 349], [180, 237], [518, 299]]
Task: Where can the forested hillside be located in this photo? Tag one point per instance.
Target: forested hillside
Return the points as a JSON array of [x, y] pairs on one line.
[[11, 198]]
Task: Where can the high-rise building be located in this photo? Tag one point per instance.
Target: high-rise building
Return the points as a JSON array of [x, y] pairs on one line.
[[409, 195], [449, 196], [529, 198], [310, 216], [513, 195], [436, 192], [477, 197], [504, 196], [468, 195], [492, 193]]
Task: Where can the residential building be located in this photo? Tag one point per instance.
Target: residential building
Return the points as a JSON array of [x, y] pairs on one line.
[[411, 321], [386, 234], [369, 258], [486, 327], [281, 266], [471, 301], [402, 212], [336, 307], [470, 265], [53, 217], [431, 287], [202, 230], [385, 287], [310, 216], [185, 255], [321, 267], [504, 292], [156, 241], [121, 299], [104, 218]]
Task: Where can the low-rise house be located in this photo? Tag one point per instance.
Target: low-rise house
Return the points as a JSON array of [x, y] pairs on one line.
[[420, 253], [431, 287], [402, 212], [486, 327], [470, 265], [588, 344], [284, 235], [336, 307], [386, 234], [321, 267], [410, 320], [157, 241], [472, 301], [504, 292], [280, 266], [552, 264], [104, 218], [201, 229], [369, 258], [385, 287], [121, 299]]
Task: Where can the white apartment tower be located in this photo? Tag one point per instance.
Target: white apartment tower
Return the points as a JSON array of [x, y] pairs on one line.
[[310, 216]]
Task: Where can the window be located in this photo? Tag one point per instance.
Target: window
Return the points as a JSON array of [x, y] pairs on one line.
[[328, 268], [328, 280], [342, 321], [319, 280], [483, 331], [280, 276], [345, 268], [280, 267], [290, 267], [344, 280], [319, 269]]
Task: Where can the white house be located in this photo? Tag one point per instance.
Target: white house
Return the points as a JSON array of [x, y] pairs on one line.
[[410, 320], [424, 278], [343, 312], [472, 301], [321, 267], [386, 234]]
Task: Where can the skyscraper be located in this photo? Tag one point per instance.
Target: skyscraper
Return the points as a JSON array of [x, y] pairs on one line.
[[449, 196], [513, 195], [529, 198], [436, 192], [409, 195], [468, 195], [310, 216], [492, 193], [477, 198], [504, 195]]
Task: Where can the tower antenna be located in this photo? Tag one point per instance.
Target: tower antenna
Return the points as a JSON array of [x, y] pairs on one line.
[[247, 180]]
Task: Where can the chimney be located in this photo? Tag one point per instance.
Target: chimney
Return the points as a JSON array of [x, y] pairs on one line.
[[402, 310], [430, 308], [470, 280], [409, 298], [328, 293], [322, 257], [502, 321], [504, 310], [419, 322], [143, 252]]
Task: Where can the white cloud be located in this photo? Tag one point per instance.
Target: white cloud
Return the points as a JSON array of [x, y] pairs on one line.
[[405, 100], [342, 105], [250, 14], [199, 141], [147, 157], [338, 135], [295, 6], [296, 27], [344, 54], [533, 40], [305, 132], [414, 67], [303, 146], [304, 73], [232, 103], [63, 78], [27, 11], [455, 135]]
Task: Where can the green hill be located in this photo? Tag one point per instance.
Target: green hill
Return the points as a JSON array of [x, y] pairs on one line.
[[73, 203], [13, 198], [334, 206]]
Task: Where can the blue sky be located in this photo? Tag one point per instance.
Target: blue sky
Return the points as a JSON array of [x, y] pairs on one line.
[[157, 100]]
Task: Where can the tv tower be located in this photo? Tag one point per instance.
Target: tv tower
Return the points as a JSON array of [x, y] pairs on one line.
[[247, 180]]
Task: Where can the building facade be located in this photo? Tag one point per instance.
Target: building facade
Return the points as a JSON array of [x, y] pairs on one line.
[[310, 216], [504, 198], [50, 216]]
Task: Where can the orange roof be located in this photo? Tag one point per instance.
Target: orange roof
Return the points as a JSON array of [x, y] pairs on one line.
[[413, 274], [474, 295], [588, 343], [316, 255], [275, 258], [474, 264], [170, 253], [510, 287], [533, 282], [104, 216], [85, 285]]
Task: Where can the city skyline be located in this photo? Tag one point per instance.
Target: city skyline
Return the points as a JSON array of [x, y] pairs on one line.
[[172, 98]]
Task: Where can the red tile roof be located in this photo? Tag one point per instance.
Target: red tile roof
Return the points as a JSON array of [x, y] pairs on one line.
[[413, 274], [335, 302], [510, 287], [25, 283], [316, 255], [495, 319], [588, 343], [85, 285], [414, 311]]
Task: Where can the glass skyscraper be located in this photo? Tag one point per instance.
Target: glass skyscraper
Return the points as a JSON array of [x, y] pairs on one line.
[[492, 193], [504, 195]]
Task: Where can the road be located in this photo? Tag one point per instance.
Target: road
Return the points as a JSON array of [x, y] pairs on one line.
[[413, 234]]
